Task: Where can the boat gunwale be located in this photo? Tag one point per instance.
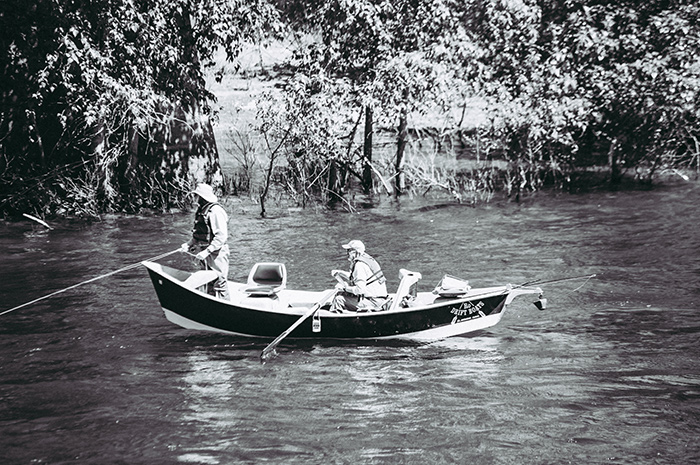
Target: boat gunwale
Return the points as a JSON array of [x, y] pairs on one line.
[[300, 310]]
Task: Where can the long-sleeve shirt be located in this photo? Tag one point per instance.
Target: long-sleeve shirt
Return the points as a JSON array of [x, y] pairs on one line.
[[218, 219]]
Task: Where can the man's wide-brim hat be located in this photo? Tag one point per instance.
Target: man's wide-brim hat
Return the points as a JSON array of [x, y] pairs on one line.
[[206, 192], [355, 245]]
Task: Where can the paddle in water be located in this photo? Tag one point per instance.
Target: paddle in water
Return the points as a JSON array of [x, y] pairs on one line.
[[269, 351]]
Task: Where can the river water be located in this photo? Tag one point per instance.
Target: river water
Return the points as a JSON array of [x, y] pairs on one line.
[[608, 374]]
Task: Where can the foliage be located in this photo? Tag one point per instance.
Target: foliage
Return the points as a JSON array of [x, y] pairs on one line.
[[103, 104], [373, 53], [93, 89], [577, 82], [568, 84], [305, 125]]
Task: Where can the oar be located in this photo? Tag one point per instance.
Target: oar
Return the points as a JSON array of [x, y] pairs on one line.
[[88, 281], [269, 351]]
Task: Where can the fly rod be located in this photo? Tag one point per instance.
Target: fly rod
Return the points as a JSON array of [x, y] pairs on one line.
[[88, 281], [539, 281]]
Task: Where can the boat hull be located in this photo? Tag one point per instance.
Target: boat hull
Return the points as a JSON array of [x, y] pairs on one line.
[[267, 317]]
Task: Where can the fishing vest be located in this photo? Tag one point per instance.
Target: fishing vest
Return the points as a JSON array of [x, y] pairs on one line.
[[202, 229], [377, 274]]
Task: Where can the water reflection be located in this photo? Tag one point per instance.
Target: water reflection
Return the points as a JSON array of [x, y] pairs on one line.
[[208, 385]]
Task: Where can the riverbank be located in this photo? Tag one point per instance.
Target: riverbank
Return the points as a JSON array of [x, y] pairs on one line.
[[459, 173], [243, 155]]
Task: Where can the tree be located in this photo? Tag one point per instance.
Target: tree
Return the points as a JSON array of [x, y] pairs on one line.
[[642, 80], [103, 102], [575, 82], [384, 58], [305, 124]]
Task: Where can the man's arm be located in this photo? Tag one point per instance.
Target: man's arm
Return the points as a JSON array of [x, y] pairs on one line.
[[219, 228], [343, 277]]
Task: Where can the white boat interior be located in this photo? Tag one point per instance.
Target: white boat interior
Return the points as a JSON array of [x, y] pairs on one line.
[[266, 289]]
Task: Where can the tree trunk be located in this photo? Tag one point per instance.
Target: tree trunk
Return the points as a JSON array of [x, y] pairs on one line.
[[399, 180], [615, 176], [31, 115], [98, 148], [367, 152], [334, 186], [203, 155]]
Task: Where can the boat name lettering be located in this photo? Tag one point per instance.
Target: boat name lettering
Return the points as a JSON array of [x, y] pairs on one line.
[[467, 308]]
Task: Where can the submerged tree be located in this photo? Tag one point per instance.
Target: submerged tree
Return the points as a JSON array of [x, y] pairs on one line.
[[381, 59]]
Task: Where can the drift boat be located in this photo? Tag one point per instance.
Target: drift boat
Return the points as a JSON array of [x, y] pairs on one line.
[[264, 307]]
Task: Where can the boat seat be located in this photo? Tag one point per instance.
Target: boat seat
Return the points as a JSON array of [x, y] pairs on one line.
[[200, 278], [407, 289], [266, 279]]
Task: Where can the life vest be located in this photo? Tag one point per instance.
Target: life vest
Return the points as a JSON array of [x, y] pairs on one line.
[[377, 273], [202, 229]]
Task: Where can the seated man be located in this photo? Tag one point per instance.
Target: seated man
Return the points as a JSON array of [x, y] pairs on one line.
[[363, 288]]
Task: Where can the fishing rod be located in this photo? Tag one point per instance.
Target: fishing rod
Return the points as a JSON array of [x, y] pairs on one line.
[[541, 303], [89, 281], [539, 281]]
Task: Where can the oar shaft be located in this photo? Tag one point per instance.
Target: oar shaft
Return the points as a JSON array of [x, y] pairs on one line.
[[271, 347], [87, 281]]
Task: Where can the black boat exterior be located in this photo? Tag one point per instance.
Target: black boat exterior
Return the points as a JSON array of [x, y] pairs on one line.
[[442, 318]]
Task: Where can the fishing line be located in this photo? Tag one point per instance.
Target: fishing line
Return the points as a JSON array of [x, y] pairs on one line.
[[89, 281], [584, 283]]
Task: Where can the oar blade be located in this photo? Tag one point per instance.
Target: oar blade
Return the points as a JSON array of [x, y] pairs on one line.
[[269, 351], [268, 354]]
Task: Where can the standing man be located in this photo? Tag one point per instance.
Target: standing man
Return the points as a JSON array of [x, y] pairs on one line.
[[209, 237], [364, 287]]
